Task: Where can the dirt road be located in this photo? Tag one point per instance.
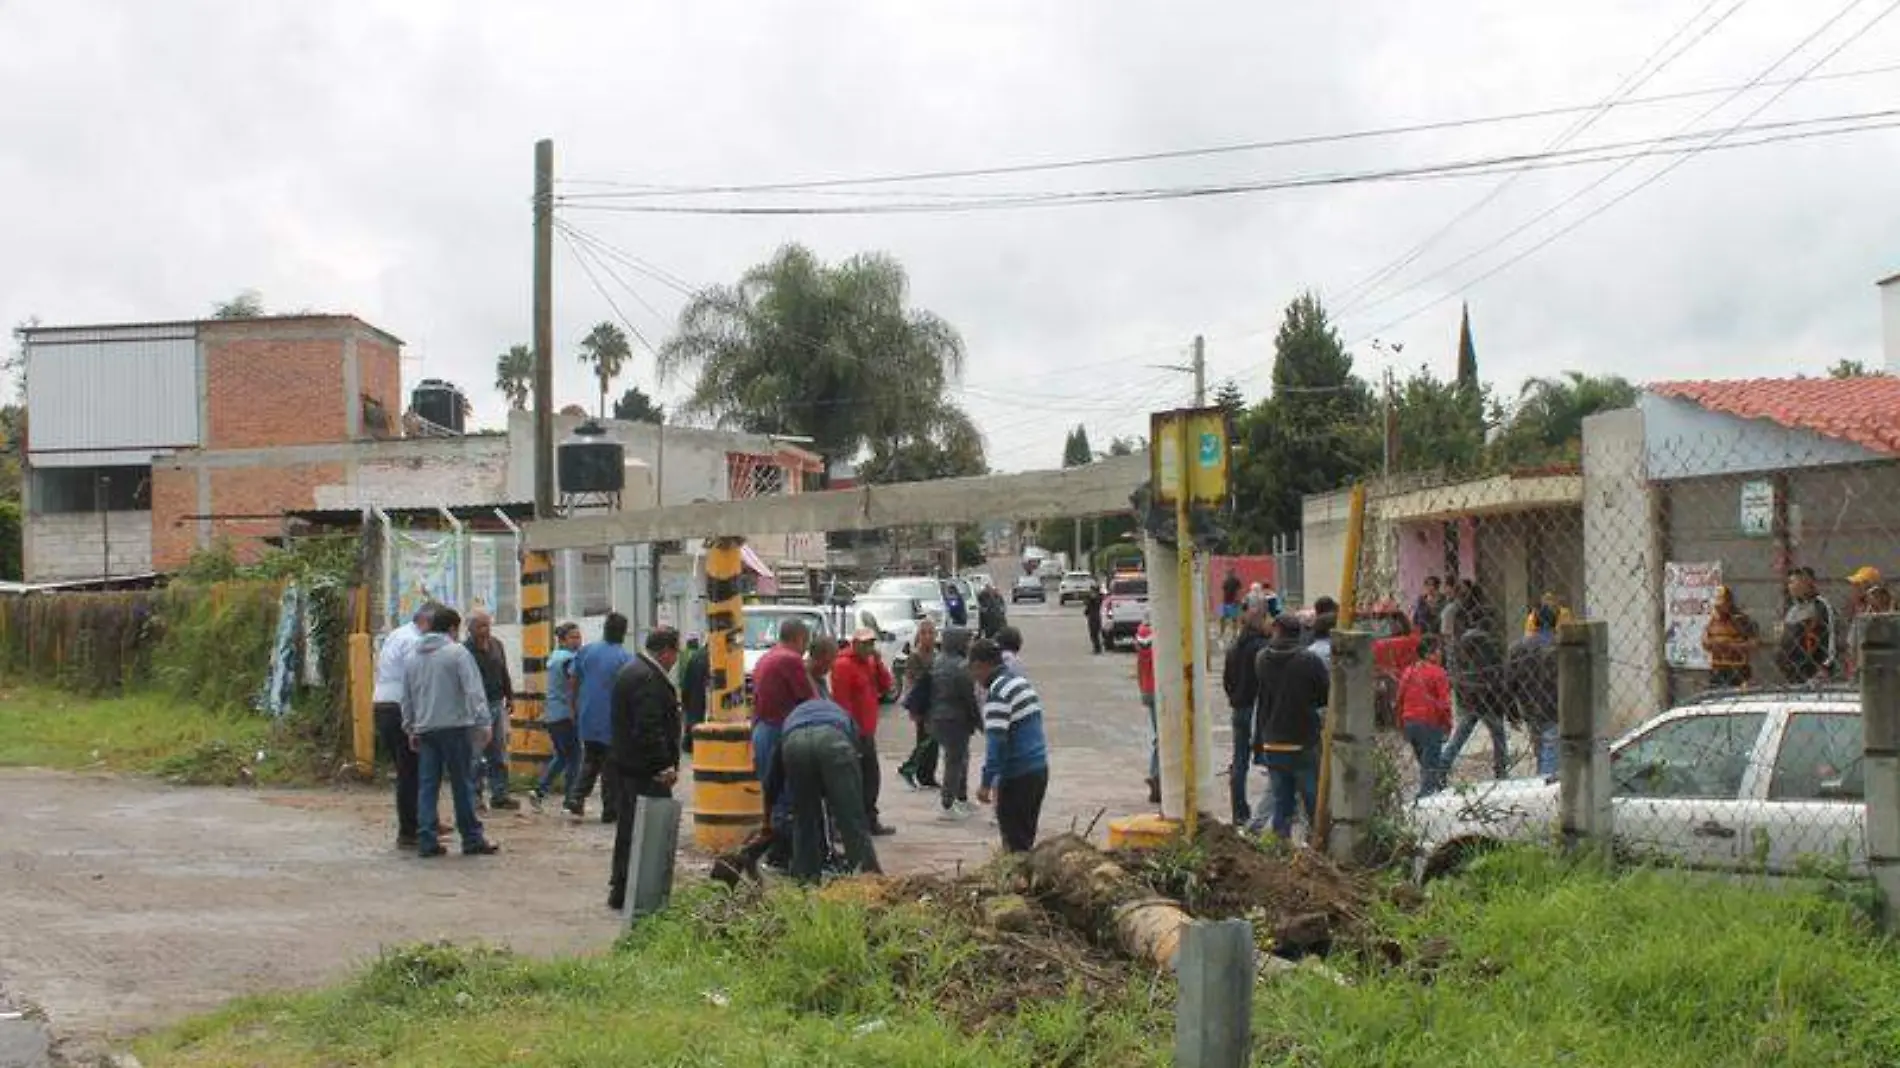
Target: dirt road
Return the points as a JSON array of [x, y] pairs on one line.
[[129, 903]]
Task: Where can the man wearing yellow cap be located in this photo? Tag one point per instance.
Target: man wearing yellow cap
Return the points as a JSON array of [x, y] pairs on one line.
[[1862, 580]]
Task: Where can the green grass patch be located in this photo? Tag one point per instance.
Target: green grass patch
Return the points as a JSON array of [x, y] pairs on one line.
[[148, 733], [1527, 960]]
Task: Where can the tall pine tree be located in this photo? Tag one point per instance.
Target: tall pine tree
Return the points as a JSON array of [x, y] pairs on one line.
[[1470, 390], [1075, 450]]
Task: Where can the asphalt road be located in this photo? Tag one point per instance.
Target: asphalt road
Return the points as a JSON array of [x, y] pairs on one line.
[[129, 903]]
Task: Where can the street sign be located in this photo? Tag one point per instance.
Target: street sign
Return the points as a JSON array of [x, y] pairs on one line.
[[1190, 444]]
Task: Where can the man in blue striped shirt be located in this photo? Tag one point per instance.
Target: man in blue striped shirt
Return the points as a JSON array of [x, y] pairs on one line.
[[1016, 760]]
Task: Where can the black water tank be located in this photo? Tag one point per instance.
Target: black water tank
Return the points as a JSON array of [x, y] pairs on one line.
[[591, 462], [439, 402]]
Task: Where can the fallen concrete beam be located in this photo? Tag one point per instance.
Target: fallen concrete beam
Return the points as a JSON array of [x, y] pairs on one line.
[[1099, 488]]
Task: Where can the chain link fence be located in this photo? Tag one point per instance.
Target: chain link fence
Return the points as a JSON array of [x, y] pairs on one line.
[[1733, 570]]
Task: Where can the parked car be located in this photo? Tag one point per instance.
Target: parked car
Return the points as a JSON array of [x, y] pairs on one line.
[[1074, 586], [762, 622], [1028, 588], [1124, 608], [980, 580], [1756, 781], [895, 619], [918, 587]]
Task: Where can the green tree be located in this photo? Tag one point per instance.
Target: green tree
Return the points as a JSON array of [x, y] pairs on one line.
[[1227, 396], [1470, 388], [1315, 432], [831, 352], [1075, 449], [1434, 425], [514, 376], [1547, 424], [634, 406], [605, 349], [946, 444], [1129, 446], [11, 544], [1849, 369], [247, 304]]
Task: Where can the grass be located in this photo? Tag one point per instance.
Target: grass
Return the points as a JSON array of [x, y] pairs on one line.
[[1541, 963], [144, 732]]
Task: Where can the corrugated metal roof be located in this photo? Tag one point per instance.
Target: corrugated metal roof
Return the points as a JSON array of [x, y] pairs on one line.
[[33, 333]]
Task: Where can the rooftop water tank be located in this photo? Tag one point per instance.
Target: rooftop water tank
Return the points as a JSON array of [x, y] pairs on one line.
[[439, 402], [591, 462]]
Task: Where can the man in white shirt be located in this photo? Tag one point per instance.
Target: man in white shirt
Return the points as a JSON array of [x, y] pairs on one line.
[[387, 699]]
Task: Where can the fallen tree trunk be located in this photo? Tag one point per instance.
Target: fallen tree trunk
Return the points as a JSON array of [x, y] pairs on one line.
[[1095, 894]]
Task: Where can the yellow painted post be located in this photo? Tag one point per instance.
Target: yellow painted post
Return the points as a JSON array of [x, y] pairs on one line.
[[528, 744], [728, 804], [1184, 561], [1348, 597], [362, 689]]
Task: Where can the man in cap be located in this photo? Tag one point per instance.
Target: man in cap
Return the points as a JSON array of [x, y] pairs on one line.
[[858, 678], [1864, 579]]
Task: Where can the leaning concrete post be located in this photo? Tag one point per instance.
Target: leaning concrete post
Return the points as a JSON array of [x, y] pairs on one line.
[[1351, 775], [1213, 1016], [1880, 762], [656, 837], [1583, 725]]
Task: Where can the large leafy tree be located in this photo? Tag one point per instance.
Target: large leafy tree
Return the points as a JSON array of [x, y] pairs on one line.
[[831, 352], [634, 406], [1546, 426], [1315, 432], [514, 376], [248, 304], [1434, 425], [945, 444], [606, 351]]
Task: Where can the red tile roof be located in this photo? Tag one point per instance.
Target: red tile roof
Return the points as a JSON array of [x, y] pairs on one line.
[[1865, 411]]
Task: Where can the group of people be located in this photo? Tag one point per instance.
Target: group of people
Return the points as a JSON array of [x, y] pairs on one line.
[[1277, 678], [1810, 647]]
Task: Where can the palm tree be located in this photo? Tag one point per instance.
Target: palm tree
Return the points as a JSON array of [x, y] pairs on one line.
[[830, 352], [1547, 424], [605, 349], [514, 376]]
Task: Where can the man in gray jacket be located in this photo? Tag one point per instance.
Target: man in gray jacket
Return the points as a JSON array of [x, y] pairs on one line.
[[954, 717], [445, 714]]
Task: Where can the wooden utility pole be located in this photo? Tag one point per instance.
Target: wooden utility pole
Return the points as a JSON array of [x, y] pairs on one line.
[[544, 329]]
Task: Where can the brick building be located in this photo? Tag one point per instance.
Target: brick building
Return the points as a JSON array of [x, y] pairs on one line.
[[266, 407]]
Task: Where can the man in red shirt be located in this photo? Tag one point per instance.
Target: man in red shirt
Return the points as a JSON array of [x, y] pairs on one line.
[[858, 681], [779, 684], [1145, 682], [1425, 713]]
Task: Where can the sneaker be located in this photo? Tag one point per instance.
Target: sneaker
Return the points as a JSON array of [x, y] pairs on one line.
[[574, 809], [430, 851], [909, 777], [483, 848], [506, 804], [406, 841], [616, 902], [535, 800]]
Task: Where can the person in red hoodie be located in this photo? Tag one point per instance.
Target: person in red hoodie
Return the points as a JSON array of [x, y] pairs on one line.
[[1425, 712], [858, 679], [1145, 684]]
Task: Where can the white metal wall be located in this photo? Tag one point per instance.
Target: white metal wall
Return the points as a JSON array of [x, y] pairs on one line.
[[132, 390]]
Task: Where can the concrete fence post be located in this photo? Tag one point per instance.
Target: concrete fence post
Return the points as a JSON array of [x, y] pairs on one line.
[[1880, 761], [1583, 725], [1213, 1015], [1351, 775], [656, 837]]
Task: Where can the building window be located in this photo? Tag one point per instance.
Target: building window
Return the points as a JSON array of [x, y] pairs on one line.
[[65, 490]]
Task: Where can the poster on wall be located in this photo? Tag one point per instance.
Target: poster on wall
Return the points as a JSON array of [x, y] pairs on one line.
[[484, 576], [1688, 601], [426, 567]]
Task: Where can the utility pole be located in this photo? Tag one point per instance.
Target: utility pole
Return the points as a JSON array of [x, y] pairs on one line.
[[1197, 367], [544, 329]]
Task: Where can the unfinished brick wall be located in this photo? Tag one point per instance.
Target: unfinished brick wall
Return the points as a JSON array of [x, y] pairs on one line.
[[379, 376], [274, 391], [174, 496]]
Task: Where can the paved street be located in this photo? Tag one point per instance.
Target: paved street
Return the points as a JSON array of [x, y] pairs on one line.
[[130, 903]]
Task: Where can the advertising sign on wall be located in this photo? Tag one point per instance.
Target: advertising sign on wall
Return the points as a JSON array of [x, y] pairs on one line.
[[1688, 602]]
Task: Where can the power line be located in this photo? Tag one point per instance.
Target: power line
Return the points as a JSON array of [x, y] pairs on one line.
[[1653, 177], [608, 297], [1573, 157], [1631, 82], [651, 189]]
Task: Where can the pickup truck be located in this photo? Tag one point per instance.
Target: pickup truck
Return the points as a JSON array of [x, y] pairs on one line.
[[1124, 608]]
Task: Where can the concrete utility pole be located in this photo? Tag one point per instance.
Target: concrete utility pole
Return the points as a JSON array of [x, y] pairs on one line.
[[544, 329], [1200, 372]]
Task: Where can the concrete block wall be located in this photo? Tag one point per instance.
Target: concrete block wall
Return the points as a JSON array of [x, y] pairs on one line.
[[73, 545]]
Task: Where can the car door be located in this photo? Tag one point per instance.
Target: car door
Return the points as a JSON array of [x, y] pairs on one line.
[[1814, 810], [1677, 787]]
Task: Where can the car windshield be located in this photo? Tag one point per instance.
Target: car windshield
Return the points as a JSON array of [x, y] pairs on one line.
[[761, 628], [923, 589], [886, 610], [1129, 587]]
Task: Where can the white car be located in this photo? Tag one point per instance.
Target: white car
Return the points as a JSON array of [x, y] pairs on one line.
[[895, 619], [925, 589], [1755, 781], [1075, 586], [762, 622], [1125, 608]]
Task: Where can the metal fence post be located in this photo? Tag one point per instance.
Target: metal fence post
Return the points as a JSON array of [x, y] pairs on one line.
[[1880, 760], [1583, 723], [1213, 1015], [1350, 775]]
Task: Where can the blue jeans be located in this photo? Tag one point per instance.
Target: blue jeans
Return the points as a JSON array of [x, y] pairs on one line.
[[446, 756], [1292, 779], [1243, 759], [1428, 747], [1548, 750], [765, 739], [1154, 737], [565, 738], [493, 765], [1500, 746]]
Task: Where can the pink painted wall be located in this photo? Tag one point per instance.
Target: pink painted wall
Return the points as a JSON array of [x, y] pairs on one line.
[[1421, 553]]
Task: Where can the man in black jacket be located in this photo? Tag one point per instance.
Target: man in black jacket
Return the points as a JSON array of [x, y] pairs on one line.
[[646, 753], [492, 658], [1242, 684], [694, 680], [1292, 700]]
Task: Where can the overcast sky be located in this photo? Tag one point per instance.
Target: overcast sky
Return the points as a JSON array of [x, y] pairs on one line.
[[376, 158]]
